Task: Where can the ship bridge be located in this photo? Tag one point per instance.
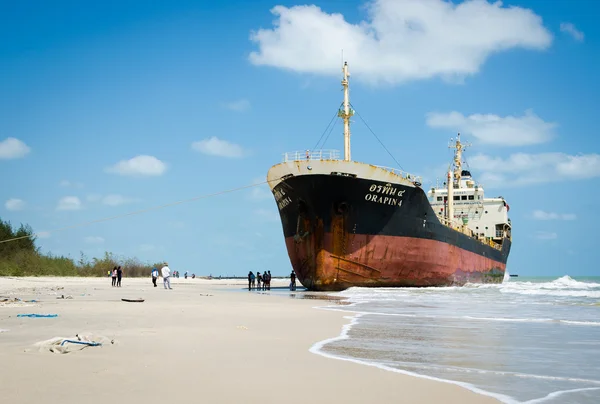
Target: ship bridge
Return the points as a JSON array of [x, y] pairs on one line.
[[461, 204]]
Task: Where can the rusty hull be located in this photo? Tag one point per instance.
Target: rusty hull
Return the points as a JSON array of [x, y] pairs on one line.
[[336, 238], [386, 261]]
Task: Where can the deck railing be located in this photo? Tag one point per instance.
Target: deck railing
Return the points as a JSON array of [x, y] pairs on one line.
[[403, 174], [311, 155], [332, 154]]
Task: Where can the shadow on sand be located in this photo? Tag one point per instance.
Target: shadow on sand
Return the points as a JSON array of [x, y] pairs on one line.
[[302, 293]]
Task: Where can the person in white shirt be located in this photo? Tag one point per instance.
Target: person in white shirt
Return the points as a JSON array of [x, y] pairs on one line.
[[154, 276], [166, 274]]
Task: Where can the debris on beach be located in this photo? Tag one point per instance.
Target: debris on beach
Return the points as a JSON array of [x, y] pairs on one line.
[[3, 330], [62, 345], [34, 315], [205, 294], [65, 297], [138, 300], [242, 327], [15, 301]]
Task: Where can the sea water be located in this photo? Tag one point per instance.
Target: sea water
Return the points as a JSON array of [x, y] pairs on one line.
[[525, 340]]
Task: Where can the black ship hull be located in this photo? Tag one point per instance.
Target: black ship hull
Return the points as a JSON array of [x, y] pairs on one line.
[[344, 231]]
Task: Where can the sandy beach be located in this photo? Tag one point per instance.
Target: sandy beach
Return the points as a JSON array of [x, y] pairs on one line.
[[207, 341]]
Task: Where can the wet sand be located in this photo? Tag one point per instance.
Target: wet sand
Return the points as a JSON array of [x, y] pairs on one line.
[[205, 341]]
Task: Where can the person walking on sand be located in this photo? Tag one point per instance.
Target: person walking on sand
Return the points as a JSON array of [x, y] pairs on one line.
[[154, 276], [166, 274], [114, 276], [119, 276], [293, 280], [258, 280]]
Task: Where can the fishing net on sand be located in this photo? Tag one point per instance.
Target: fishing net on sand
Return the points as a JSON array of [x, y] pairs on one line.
[[62, 345]]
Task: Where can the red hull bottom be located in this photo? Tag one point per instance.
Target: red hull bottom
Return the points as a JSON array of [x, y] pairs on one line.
[[387, 261]]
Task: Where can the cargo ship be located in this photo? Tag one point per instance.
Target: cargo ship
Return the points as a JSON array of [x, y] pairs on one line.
[[348, 223]]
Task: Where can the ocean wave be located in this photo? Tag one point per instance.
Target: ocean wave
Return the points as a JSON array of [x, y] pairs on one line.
[[494, 372], [564, 286], [350, 309]]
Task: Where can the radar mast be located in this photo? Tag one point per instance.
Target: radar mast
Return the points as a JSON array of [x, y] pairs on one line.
[[459, 147]]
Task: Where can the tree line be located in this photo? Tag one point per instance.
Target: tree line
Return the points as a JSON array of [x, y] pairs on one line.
[[23, 258]]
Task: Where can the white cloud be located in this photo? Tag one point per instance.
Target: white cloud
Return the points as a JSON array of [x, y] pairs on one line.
[[524, 169], [570, 29], [546, 235], [401, 40], [541, 215], [70, 184], [116, 200], [94, 240], [14, 204], [238, 106], [497, 130], [111, 199], [11, 148], [139, 166], [217, 147], [69, 203]]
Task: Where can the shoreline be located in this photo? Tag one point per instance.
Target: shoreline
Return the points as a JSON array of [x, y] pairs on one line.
[[317, 349], [207, 342]]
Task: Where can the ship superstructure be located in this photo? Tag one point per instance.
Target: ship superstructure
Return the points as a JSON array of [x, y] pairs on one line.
[[467, 209]]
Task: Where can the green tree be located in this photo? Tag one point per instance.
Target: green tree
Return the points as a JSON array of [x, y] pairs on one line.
[[22, 258]]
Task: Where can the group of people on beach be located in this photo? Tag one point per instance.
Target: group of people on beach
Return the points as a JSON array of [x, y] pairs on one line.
[[116, 275], [165, 272], [263, 282], [258, 281]]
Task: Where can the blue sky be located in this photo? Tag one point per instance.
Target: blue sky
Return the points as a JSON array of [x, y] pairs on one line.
[[115, 107]]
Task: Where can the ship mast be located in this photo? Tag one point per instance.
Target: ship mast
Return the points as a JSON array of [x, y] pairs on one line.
[[346, 112], [460, 147], [454, 177]]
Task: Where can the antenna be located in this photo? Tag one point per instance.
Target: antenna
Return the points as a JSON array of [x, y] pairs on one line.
[[346, 112]]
